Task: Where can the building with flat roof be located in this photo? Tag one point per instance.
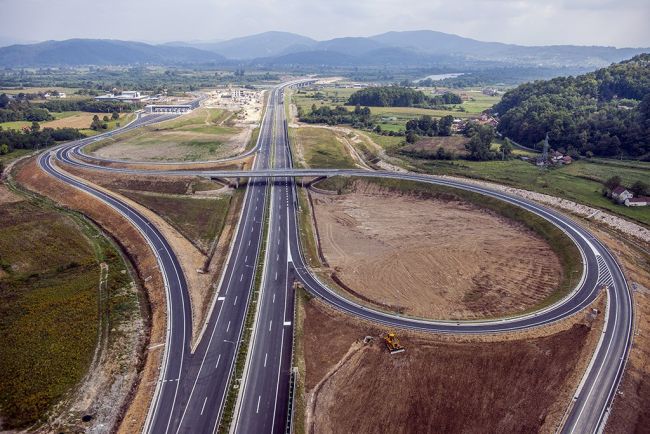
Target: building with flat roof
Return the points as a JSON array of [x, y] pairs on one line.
[[125, 96]]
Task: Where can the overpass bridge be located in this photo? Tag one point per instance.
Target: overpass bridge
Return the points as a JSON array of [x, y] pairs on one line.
[[168, 108]]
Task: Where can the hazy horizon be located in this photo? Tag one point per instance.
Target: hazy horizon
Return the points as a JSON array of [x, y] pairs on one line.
[[621, 23]]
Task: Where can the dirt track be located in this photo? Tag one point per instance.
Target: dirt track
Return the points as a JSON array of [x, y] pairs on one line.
[[433, 258]]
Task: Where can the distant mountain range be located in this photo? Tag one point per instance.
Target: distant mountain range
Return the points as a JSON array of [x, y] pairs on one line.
[[75, 52], [281, 49]]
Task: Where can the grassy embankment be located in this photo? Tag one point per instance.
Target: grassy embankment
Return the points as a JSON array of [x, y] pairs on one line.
[[199, 219], [563, 247], [321, 148], [50, 305], [579, 182], [199, 135]]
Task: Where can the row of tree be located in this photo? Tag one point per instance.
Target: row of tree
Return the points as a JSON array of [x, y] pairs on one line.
[[398, 96], [427, 126], [604, 113], [87, 105], [359, 118], [102, 124], [479, 146]]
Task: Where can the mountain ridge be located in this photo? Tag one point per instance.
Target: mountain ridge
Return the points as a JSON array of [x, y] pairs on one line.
[[408, 48]]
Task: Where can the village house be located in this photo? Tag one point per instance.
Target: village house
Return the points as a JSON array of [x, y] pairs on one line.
[[621, 194], [637, 201]]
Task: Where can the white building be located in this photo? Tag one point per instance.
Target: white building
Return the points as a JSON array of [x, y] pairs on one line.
[[125, 96]]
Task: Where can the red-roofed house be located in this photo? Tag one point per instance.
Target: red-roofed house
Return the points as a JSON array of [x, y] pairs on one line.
[[621, 194], [637, 201]]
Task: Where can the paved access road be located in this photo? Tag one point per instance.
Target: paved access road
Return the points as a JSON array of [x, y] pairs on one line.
[[193, 385]]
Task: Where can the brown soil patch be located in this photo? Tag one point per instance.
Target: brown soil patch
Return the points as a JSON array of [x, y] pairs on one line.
[[438, 384], [430, 145], [7, 196], [29, 175], [433, 258]]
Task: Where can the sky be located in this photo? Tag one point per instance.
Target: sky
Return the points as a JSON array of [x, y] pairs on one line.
[[620, 23]]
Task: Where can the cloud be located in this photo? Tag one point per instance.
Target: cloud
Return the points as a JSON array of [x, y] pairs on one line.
[[529, 22]]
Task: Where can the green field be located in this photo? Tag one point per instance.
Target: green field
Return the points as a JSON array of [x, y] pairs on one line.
[[199, 219], [580, 182], [18, 125], [50, 305], [321, 148], [200, 135], [69, 91], [394, 118]]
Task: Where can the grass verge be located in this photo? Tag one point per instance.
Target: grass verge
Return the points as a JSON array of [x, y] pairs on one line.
[[321, 148], [199, 219]]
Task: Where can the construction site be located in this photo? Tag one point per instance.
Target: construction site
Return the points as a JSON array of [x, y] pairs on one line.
[[432, 258]]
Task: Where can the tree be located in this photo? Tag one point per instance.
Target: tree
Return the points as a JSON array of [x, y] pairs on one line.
[[115, 116], [97, 124], [613, 182], [639, 188], [480, 143], [4, 149], [4, 100], [444, 125], [506, 149], [105, 118], [411, 137], [35, 127]]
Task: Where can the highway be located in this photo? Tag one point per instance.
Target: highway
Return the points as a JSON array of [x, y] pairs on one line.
[[193, 385]]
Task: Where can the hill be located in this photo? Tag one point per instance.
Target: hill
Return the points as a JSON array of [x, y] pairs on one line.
[[267, 44], [425, 48], [606, 112], [74, 52]]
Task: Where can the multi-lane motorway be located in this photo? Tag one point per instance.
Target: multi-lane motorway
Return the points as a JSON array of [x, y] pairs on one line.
[[193, 384]]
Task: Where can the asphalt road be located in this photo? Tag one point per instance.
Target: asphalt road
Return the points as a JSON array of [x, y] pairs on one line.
[[193, 386]]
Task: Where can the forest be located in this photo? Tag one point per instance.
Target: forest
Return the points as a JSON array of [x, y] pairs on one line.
[[397, 96], [603, 113]]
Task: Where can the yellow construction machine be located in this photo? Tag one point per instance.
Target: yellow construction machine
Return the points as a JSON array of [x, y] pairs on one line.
[[392, 343]]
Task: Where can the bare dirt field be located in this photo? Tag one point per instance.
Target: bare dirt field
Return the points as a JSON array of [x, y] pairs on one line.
[[439, 384], [7, 196], [433, 258]]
